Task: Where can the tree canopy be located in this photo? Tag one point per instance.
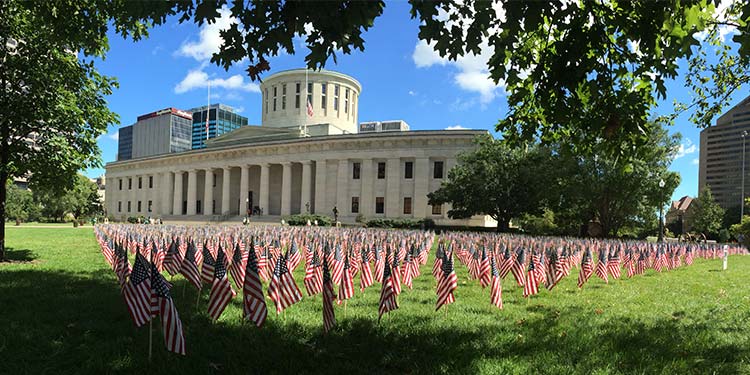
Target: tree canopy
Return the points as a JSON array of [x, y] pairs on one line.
[[708, 216]]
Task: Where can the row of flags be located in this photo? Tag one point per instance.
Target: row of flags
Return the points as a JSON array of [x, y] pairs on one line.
[[212, 256]]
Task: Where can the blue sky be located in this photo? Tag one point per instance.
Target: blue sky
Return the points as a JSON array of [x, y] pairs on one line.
[[401, 78]]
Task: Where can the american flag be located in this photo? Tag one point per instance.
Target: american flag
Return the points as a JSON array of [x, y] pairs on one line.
[[379, 265], [189, 267], [294, 256], [221, 289], [237, 268], [613, 265], [518, 267], [388, 300], [365, 277], [532, 282], [108, 252], [313, 279], [688, 257], [507, 263], [170, 320], [346, 288], [329, 319], [283, 290], [587, 268], [406, 270], [447, 283], [137, 292], [484, 269], [254, 305], [173, 259], [207, 271], [496, 287], [338, 265], [640, 267], [395, 276], [558, 269], [310, 112], [437, 266], [122, 268], [601, 266]]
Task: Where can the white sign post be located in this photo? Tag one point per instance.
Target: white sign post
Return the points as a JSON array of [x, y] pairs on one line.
[[726, 256]]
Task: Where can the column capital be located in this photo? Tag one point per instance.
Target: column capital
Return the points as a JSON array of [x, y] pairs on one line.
[[306, 162], [227, 168], [286, 163]]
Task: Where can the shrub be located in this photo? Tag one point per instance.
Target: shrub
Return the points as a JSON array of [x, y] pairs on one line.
[[301, 219], [401, 223]]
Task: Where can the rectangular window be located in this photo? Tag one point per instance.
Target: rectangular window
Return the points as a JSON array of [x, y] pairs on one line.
[[274, 98], [213, 205], [323, 91], [379, 205], [198, 207], [437, 172], [355, 171], [214, 179], [283, 97], [407, 205], [130, 184], [119, 206], [355, 205], [120, 184], [128, 206], [296, 95], [409, 170], [346, 101], [336, 97], [309, 93], [266, 103], [140, 183], [150, 182], [149, 206], [139, 206], [381, 170], [437, 209]]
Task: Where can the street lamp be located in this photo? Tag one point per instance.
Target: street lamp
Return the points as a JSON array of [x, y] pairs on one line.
[[661, 214], [742, 195]]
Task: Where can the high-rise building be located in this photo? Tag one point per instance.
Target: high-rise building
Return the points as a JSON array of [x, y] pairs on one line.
[[155, 133], [721, 152], [222, 119]]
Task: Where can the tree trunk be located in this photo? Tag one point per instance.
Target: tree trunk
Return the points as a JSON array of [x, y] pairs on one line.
[[502, 225], [3, 194]]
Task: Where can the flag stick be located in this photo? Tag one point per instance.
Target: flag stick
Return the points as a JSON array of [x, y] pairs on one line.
[[345, 301]]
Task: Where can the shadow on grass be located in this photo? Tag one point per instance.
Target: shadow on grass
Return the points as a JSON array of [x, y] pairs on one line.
[[19, 255], [57, 322]]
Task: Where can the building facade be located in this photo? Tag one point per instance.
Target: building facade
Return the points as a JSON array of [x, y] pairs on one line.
[[166, 131], [721, 149], [221, 119], [279, 170]]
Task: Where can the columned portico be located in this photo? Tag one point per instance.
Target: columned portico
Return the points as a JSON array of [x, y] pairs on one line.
[[342, 187], [306, 185], [166, 193], [244, 204], [177, 196], [263, 193], [208, 193], [320, 186]]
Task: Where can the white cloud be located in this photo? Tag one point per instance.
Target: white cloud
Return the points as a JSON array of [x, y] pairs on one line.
[[455, 127], [209, 39], [424, 55], [412, 93], [198, 79], [114, 136], [720, 15], [240, 109], [686, 148], [695, 161]]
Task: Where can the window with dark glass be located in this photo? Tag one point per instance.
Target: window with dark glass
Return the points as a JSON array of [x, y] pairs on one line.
[[150, 182], [274, 98], [407, 205], [140, 183], [214, 179], [355, 171], [355, 205], [381, 170], [437, 209], [437, 172], [323, 91], [296, 95], [128, 206], [409, 169], [336, 97], [379, 205], [130, 184], [149, 206], [283, 96], [119, 206], [198, 207], [139, 206], [310, 93], [266, 98], [120, 184], [346, 101]]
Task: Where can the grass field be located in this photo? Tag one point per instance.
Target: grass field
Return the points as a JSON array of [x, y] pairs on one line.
[[61, 312]]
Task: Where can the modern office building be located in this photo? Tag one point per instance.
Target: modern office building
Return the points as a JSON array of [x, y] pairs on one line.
[[156, 133], [721, 149], [299, 160], [222, 119]]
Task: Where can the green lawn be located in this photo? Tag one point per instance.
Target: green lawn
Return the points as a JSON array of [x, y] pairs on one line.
[[62, 313]]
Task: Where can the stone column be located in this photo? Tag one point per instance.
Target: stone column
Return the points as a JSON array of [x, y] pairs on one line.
[[421, 184], [167, 190], [342, 188], [244, 188], [208, 193], [192, 192], [155, 192], [225, 191], [177, 198], [306, 185], [320, 186], [263, 193], [392, 187], [366, 198], [286, 188]]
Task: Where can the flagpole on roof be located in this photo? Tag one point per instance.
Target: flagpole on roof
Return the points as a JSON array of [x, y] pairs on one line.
[[307, 102]]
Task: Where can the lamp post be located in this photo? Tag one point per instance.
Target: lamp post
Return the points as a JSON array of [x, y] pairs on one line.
[[742, 195], [661, 214]]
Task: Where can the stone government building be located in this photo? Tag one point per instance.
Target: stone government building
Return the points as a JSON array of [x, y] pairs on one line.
[[303, 158]]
